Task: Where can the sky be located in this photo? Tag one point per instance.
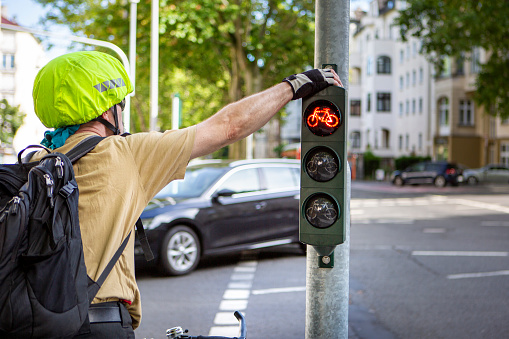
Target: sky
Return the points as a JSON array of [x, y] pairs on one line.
[[27, 13]]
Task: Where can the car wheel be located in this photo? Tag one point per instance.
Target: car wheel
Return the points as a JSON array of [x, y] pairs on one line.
[[398, 181], [472, 181], [440, 181], [180, 252]]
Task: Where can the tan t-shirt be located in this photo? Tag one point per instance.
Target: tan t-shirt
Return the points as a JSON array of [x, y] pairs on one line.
[[116, 181]]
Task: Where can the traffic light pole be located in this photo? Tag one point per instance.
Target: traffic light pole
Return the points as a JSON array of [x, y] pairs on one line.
[[327, 289]]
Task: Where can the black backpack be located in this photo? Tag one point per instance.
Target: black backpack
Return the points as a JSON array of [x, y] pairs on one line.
[[45, 291]]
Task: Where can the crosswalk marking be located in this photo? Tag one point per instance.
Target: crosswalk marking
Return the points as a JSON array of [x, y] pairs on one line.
[[235, 297]]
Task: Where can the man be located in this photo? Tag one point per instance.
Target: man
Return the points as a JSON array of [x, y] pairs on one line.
[[81, 95]]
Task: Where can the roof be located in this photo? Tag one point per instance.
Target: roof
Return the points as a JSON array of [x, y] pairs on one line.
[[8, 22]]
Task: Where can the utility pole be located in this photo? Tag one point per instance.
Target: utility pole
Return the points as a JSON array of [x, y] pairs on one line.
[[327, 289], [154, 64], [132, 56]]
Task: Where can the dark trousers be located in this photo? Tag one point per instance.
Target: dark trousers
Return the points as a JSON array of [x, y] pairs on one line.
[[109, 328]]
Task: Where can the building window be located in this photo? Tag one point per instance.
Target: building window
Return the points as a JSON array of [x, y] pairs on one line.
[[414, 49], [400, 109], [407, 107], [414, 77], [401, 82], [466, 113], [355, 139], [8, 61], [386, 137], [400, 145], [383, 102], [420, 105], [401, 56], [407, 79], [355, 107], [368, 107], [413, 106], [407, 142], [369, 69], [504, 153], [475, 66], [421, 75], [420, 141], [443, 112], [383, 65]]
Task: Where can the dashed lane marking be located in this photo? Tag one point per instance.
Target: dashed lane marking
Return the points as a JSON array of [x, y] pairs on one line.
[[478, 275], [461, 253], [235, 297]]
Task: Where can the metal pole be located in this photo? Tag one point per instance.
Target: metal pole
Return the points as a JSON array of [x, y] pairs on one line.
[[132, 57], [327, 289], [154, 64]]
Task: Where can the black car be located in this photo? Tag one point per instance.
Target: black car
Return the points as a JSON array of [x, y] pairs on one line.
[[220, 207], [439, 173]]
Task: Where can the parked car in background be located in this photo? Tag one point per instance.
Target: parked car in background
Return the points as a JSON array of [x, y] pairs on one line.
[[439, 173], [221, 207], [493, 173]]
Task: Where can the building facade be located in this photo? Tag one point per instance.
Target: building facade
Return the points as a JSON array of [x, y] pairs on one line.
[[400, 107], [21, 57]]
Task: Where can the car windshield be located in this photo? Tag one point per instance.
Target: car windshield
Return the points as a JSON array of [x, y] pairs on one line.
[[196, 181]]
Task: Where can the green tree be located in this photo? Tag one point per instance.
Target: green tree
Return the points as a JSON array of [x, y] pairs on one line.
[[454, 28], [219, 50], [10, 121]]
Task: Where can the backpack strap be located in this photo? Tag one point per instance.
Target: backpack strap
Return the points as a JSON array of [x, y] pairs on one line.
[[142, 237], [94, 286], [83, 148]]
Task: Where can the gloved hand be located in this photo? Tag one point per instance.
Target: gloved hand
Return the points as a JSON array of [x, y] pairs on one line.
[[310, 82]]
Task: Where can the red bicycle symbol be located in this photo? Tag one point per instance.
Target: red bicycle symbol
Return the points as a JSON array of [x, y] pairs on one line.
[[323, 115]]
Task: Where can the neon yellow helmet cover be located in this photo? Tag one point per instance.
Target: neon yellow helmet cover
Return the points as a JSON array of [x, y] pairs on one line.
[[77, 87]]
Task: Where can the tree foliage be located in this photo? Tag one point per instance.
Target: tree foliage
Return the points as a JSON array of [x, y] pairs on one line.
[[454, 28], [10, 121], [211, 51]]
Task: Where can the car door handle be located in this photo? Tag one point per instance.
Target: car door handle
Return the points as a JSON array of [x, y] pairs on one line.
[[260, 205]]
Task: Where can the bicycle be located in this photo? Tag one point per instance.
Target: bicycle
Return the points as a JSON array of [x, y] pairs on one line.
[[178, 333]]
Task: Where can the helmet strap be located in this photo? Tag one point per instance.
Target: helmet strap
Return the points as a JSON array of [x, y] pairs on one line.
[[114, 129]]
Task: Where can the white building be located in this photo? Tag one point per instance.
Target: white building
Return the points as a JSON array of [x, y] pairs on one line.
[[399, 107], [21, 57], [391, 87]]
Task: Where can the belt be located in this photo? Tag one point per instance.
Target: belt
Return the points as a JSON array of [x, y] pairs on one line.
[[104, 313]]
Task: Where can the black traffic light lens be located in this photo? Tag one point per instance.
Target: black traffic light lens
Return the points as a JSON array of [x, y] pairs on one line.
[[322, 117], [322, 164], [321, 210]]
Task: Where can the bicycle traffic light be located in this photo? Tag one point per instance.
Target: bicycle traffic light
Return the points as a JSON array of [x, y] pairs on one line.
[[323, 170]]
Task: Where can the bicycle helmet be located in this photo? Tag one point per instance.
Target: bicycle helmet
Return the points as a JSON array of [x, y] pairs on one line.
[[78, 87]]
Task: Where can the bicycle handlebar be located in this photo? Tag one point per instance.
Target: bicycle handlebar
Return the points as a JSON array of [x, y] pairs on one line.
[[177, 333]]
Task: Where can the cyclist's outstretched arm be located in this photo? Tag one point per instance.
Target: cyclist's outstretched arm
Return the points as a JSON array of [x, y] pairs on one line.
[[239, 119], [242, 118]]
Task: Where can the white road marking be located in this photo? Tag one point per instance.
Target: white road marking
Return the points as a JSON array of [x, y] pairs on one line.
[[478, 275], [235, 297], [236, 294], [224, 331], [233, 305], [495, 223], [460, 253], [279, 290], [434, 230]]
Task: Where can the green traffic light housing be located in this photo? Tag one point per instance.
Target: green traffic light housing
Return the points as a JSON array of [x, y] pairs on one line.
[[323, 173]]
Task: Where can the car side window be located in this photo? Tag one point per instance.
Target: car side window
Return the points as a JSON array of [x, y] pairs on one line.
[[242, 181], [417, 168], [280, 177]]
